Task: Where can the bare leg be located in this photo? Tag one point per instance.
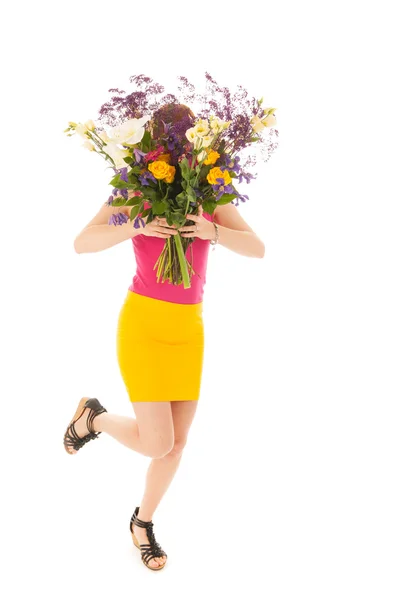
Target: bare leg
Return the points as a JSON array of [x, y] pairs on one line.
[[162, 470], [151, 433]]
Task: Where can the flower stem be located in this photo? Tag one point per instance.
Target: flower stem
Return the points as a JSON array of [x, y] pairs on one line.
[[182, 261]]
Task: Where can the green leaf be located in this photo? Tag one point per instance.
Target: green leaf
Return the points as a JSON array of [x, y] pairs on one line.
[[159, 207], [152, 194], [209, 206], [146, 141], [226, 198], [133, 201], [146, 212], [127, 159], [134, 212], [191, 194], [185, 169], [119, 201]]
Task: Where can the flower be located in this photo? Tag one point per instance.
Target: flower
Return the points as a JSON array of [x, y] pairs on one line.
[[129, 132], [118, 219], [216, 174], [162, 170], [90, 125], [206, 140], [159, 168], [171, 176], [221, 188], [88, 145], [116, 154], [259, 124], [104, 136], [212, 157], [165, 157], [145, 177], [81, 130], [201, 128], [124, 174], [194, 138], [217, 125], [153, 154], [269, 120], [231, 164]]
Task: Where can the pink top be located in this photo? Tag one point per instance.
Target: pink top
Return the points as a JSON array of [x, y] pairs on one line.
[[148, 248]]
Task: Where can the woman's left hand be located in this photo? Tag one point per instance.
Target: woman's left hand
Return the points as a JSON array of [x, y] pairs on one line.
[[202, 228]]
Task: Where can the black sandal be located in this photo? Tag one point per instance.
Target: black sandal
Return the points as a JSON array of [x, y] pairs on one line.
[[71, 438], [151, 550]]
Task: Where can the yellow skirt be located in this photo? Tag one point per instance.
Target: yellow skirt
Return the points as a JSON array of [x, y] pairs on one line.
[[160, 349]]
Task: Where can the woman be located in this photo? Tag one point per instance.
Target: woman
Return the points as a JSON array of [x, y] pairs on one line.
[[166, 321]]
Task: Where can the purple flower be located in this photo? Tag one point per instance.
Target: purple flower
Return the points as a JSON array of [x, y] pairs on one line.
[[246, 176], [221, 188], [138, 221], [110, 200], [138, 155], [123, 192], [145, 177], [230, 164], [242, 198], [124, 174], [118, 219]]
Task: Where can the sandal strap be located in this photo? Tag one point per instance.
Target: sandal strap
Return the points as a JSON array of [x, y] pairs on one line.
[[95, 409], [153, 548]]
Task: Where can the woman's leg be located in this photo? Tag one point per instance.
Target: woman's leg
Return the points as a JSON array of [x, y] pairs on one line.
[[151, 433], [162, 470]]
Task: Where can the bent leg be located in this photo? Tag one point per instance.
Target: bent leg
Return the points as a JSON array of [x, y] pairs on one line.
[[151, 433]]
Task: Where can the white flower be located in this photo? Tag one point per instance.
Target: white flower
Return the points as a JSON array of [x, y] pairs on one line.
[[206, 140], [88, 145], [104, 136], [260, 124], [90, 125], [201, 128], [269, 120], [218, 125], [117, 154], [130, 132], [202, 155], [194, 138], [81, 130], [257, 124]]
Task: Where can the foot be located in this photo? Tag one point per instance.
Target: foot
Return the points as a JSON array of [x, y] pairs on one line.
[[81, 427], [141, 536]]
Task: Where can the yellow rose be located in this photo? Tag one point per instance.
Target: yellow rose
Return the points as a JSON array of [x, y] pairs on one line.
[[159, 168], [216, 173], [212, 158], [171, 175], [165, 157]]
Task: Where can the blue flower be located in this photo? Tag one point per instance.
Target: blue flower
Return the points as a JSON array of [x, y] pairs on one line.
[[118, 219], [231, 164], [138, 155], [145, 177], [124, 174], [138, 222], [221, 188], [246, 176]]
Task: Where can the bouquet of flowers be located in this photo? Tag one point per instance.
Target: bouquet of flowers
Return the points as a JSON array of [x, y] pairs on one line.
[[164, 154]]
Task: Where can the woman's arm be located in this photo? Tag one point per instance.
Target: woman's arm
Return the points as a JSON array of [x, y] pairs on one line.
[[99, 235], [235, 234]]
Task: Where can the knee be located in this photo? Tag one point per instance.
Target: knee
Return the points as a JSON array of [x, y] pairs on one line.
[[158, 447], [177, 448]]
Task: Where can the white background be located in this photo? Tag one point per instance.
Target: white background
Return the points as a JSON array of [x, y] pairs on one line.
[[288, 487]]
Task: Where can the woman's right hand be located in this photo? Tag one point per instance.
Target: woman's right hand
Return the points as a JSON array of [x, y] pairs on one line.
[[158, 227]]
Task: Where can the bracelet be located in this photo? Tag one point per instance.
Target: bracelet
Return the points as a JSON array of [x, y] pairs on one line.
[[213, 242]]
